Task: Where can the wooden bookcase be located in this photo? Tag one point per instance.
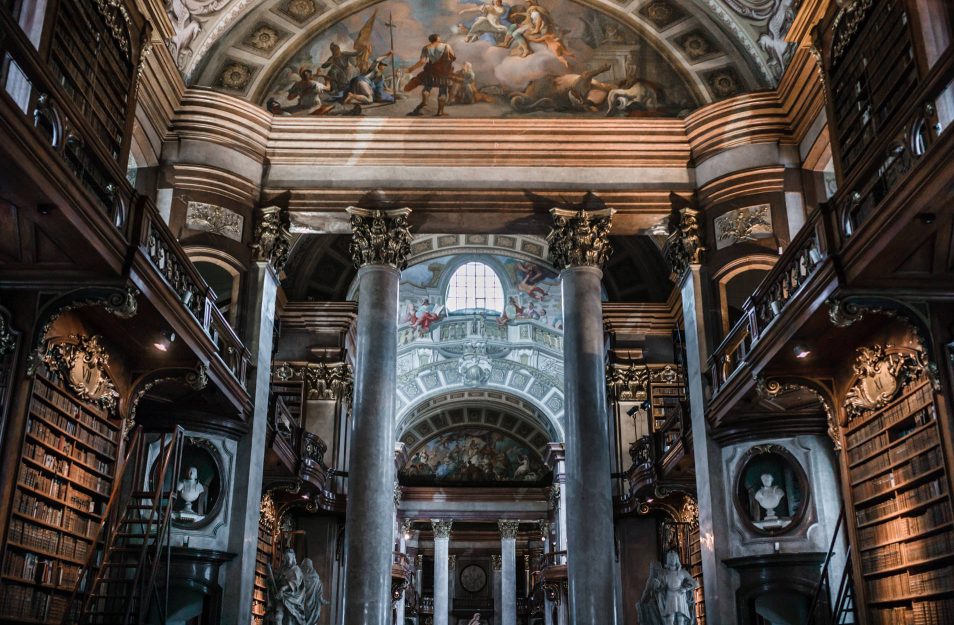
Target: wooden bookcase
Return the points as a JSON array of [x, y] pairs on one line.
[[68, 459], [695, 569], [263, 558], [901, 510]]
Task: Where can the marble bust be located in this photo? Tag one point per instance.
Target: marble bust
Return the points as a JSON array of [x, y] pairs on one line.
[[190, 490], [769, 496]]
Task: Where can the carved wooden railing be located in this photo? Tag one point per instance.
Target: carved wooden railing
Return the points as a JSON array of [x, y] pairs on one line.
[[794, 269]]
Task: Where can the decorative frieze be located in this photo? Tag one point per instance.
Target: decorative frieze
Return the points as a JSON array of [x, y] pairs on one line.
[[214, 220], [580, 238], [380, 237], [322, 381], [686, 242], [272, 237], [631, 382], [442, 528]]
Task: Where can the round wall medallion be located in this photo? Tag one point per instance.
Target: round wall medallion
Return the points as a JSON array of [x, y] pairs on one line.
[[473, 578]]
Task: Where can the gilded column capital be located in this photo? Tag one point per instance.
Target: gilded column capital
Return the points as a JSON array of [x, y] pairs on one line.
[[580, 238], [380, 237], [508, 528], [686, 242], [496, 561], [442, 528], [272, 237]]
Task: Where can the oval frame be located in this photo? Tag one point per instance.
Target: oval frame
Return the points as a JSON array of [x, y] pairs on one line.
[[207, 447], [800, 475], [479, 568]]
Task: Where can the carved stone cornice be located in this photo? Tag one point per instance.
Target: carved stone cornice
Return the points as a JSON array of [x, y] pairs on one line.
[[322, 381], [496, 562], [81, 364], [882, 372], [686, 243], [508, 528], [442, 527], [272, 237], [580, 238], [380, 237]]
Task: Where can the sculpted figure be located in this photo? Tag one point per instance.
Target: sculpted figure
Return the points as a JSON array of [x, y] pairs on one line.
[[769, 496], [314, 593], [668, 597], [286, 593], [190, 490]]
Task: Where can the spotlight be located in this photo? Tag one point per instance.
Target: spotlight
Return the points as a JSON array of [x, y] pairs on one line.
[[165, 341], [801, 351], [633, 411]]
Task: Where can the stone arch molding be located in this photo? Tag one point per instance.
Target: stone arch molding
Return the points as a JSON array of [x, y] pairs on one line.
[[696, 38]]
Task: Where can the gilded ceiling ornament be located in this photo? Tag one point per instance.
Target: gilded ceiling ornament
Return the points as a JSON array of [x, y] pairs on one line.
[[508, 528], [442, 528], [695, 45], [144, 55], [322, 381], [744, 224], [662, 13], [236, 76], [301, 10], [272, 237], [843, 313], [263, 38], [267, 511], [580, 238], [689, 513], [685, 245], [82, 366], [380, 237]]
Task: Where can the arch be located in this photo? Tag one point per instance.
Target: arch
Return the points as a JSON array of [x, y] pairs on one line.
[[474, 285], [734, 269]]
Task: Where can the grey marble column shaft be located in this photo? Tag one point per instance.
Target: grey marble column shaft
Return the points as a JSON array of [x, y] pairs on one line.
[[370, 509], [441, 608], [588, 497], [508, 581], [497, 589]]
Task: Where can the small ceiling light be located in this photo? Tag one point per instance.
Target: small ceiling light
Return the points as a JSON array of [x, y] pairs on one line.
[[801, 351], [165, 341]]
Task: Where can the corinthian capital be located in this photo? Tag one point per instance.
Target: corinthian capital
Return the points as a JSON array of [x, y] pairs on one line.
[[442, 528], [508, 529], [580, 238], [380, 237], [272, 237]]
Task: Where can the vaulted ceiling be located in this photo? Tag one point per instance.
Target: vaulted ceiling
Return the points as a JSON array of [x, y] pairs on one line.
[[717, 48]]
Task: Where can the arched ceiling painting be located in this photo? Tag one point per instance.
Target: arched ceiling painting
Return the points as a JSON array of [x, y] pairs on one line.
[[669, 56]]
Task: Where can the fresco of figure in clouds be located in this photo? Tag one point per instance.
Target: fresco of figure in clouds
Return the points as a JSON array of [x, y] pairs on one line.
[[474, 455], [491, 58]]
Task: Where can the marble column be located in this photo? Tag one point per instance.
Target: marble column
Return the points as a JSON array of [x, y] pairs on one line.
[[380, 246], [451, 582], [496, 565], [442, 530], [508, 571], [579, 245]]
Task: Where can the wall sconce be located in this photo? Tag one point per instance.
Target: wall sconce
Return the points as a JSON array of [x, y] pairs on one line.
[[166, 338]]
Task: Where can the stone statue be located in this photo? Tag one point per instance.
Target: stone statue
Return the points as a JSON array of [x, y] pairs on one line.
[[668, 598], [313, 592], [769, 496], [286, 593], [190, 490], [475, 620]]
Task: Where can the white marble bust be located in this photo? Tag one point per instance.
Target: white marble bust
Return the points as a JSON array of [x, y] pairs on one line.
[[190, 489], [769, 496]]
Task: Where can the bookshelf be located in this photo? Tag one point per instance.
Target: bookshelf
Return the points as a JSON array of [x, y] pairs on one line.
[[902, 511], [263, 557], [695, 569], [68, 458]]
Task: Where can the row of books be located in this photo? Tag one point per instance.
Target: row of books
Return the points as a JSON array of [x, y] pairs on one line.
[[933, 612], [60, 442], [928, 548], [891, 616], [918, 465], [39, 481], [25, 601], [906, 584], [882, 558], [33, 536], [67, 518], [899, 412], [903, 501], [933, 581], [916, 444], [901, 528], [888, 436], [55, 396], [64, 467], [40, 570], [68, 425]]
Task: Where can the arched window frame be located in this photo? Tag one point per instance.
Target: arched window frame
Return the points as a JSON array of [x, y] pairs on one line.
[[493, 272]]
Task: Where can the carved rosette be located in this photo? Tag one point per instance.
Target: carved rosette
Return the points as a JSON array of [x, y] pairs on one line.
[[380, 237], [882, 373], [272, 237], [496, 562], [580, 238], [442, 528], [508, 528], [81, 364], [685, 245], [322, 381], [843, 313]]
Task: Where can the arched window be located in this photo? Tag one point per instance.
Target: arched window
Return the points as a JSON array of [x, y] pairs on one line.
[[474, 286]]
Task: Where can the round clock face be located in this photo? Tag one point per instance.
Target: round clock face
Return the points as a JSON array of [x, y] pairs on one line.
[[473, 578]]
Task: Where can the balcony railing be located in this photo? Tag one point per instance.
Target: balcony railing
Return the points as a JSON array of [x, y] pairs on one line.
[[794, 270]]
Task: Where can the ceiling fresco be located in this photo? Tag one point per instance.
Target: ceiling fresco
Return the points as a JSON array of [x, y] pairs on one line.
[[512, 58]]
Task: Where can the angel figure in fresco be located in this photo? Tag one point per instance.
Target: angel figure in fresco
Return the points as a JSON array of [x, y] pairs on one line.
[[492, 15], [533, 24]]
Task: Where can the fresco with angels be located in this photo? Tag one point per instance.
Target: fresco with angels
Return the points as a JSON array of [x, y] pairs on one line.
[[479, 58]]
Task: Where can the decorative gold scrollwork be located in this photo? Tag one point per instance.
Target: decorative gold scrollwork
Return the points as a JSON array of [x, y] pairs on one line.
[[580, 238]]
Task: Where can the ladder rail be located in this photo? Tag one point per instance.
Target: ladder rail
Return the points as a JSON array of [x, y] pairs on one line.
[[823, 587]]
